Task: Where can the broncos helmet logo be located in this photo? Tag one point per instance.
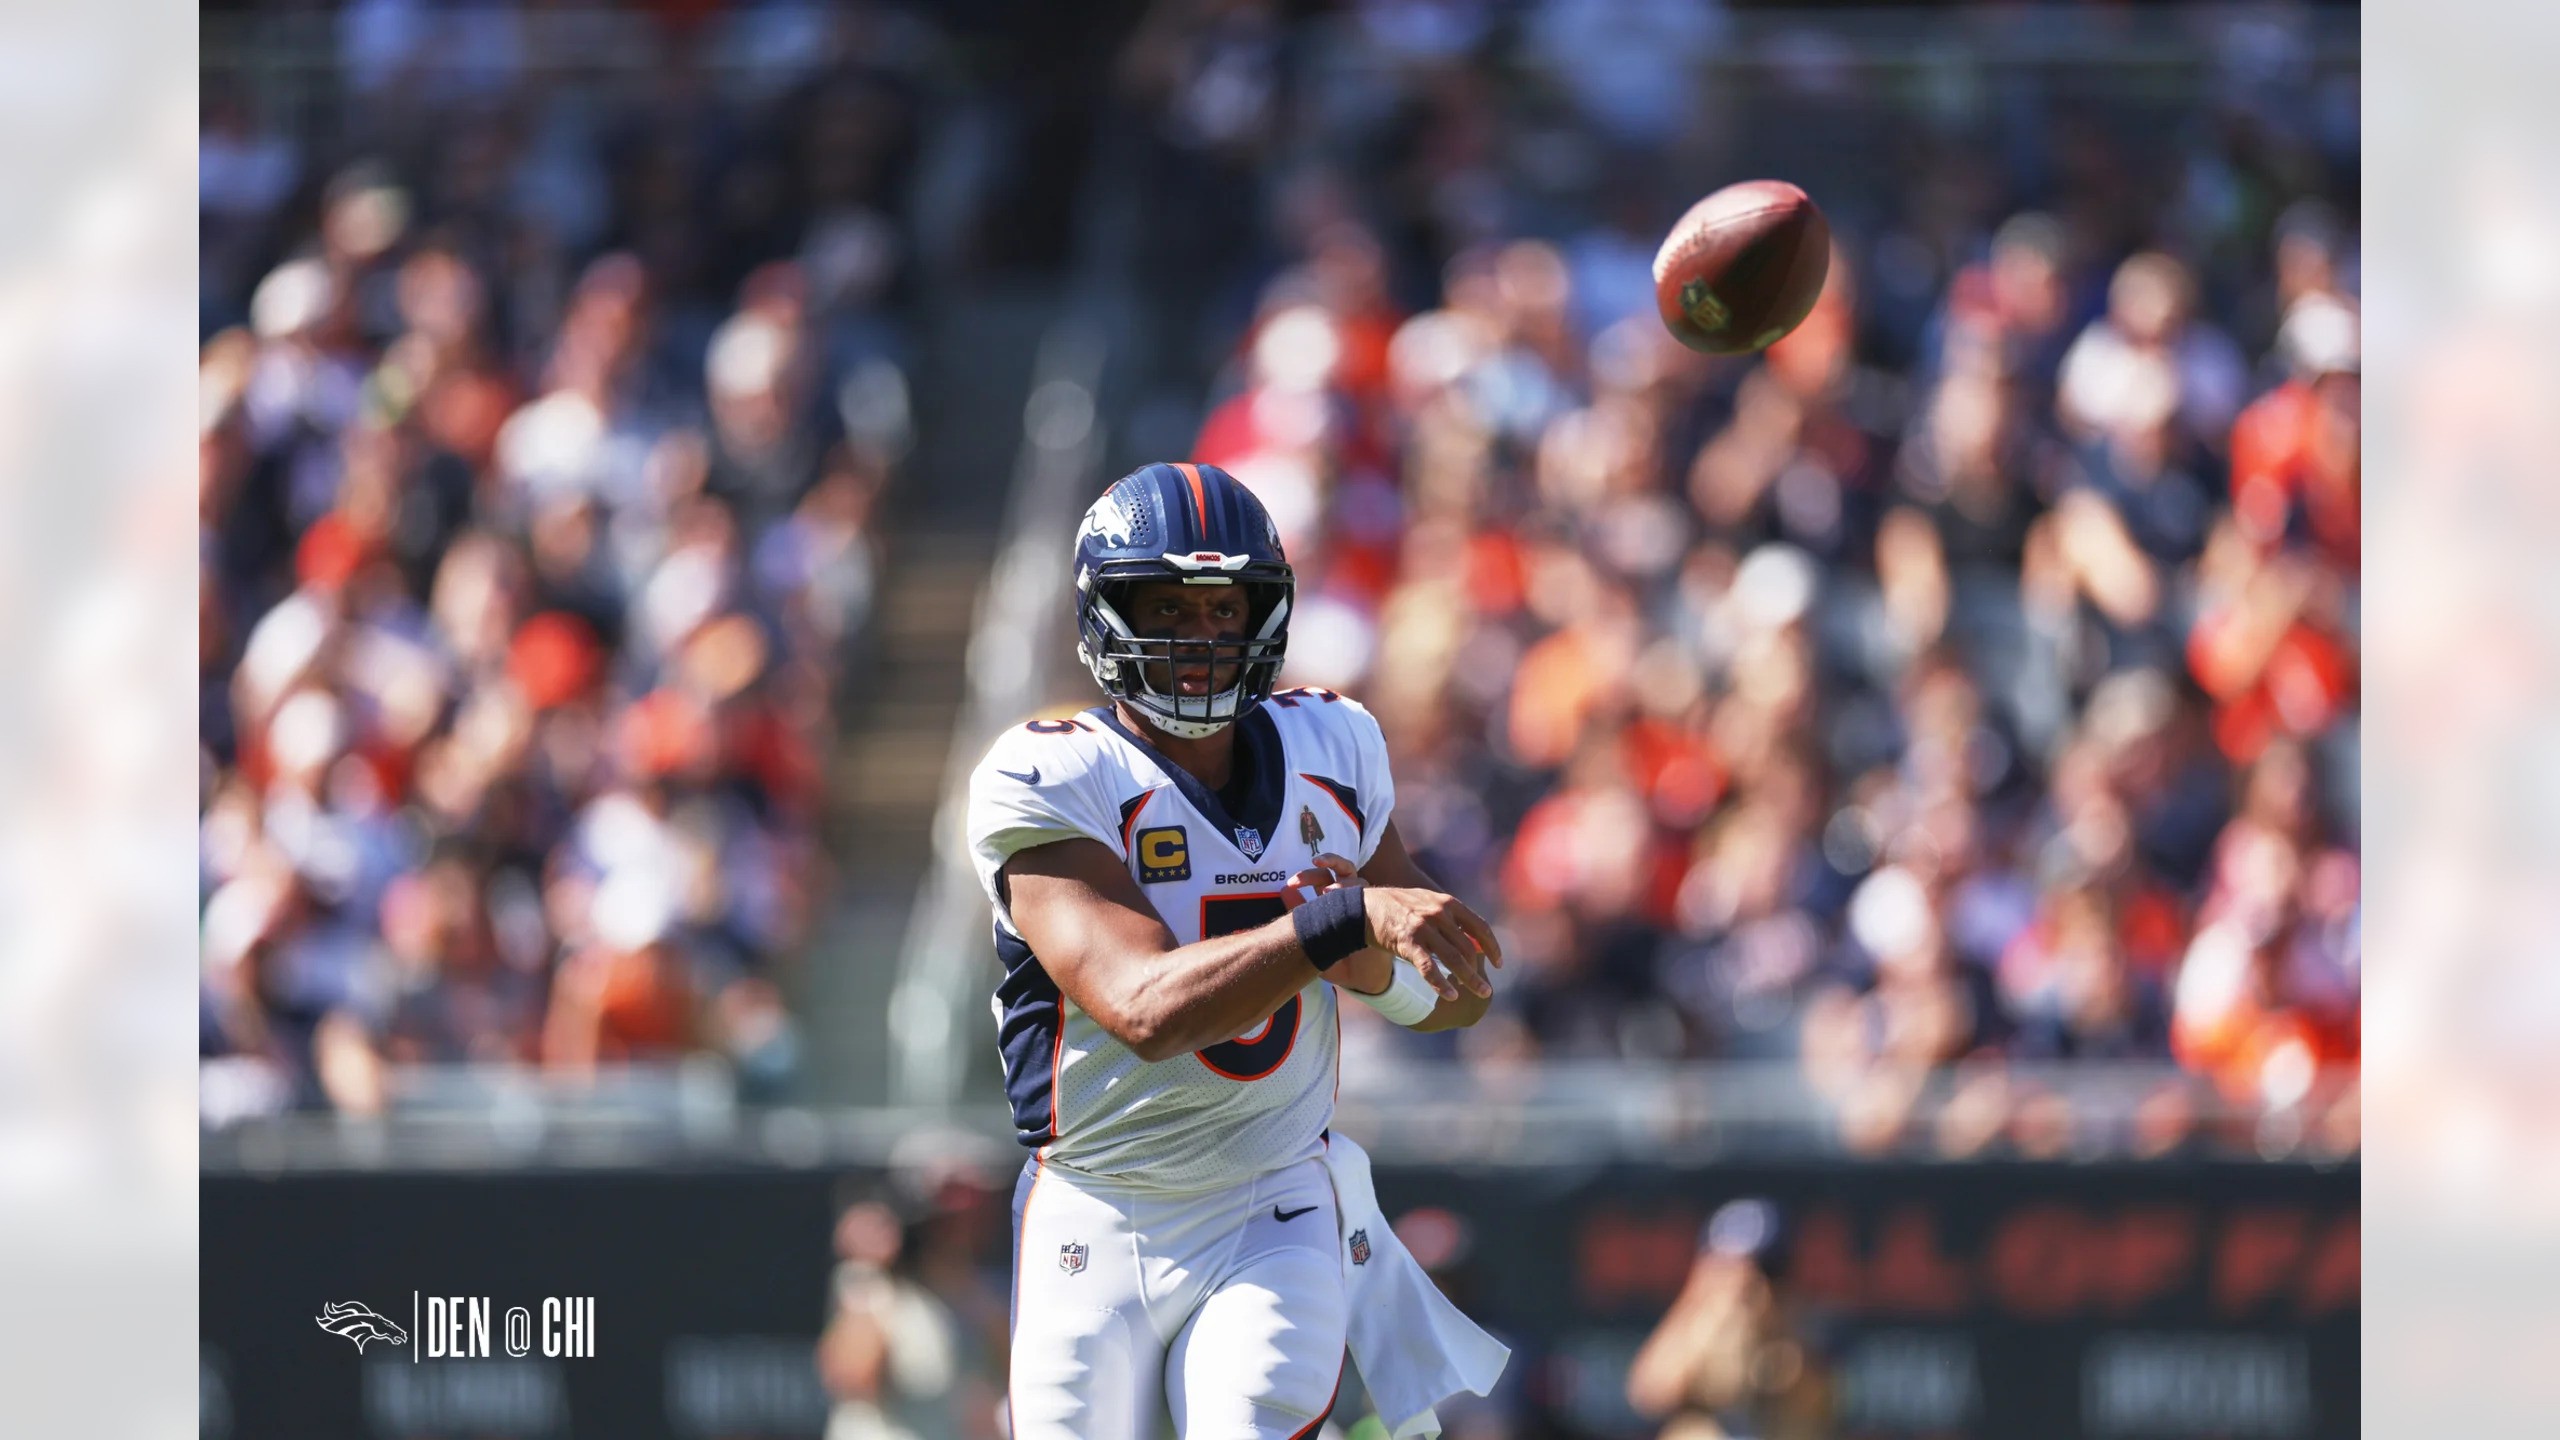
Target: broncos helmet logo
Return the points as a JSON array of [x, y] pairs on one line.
[[1107, 521], [359, 1323]]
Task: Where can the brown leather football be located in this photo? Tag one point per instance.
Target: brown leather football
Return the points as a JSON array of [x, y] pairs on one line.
[[1743, 267]]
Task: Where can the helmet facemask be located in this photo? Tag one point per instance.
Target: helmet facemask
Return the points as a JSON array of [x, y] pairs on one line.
[[1121, 660]]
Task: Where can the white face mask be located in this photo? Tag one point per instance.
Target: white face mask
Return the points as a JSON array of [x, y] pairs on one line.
[[1178, 716], [1161, 713]]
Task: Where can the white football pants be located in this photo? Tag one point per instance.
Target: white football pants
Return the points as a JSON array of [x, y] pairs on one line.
[[1222, 1310]]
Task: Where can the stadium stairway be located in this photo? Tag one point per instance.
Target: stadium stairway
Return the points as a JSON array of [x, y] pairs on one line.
[[942, 525]]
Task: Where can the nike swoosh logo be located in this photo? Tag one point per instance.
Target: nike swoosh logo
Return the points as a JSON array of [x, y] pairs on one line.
[[1285, 1216], [1031, 779]]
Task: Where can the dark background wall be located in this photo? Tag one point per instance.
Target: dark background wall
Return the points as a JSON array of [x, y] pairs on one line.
[[2035, 1301]]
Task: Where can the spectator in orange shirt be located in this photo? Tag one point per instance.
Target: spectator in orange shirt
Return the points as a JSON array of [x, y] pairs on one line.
[[2296, 452], [2267, 996], [626, 996], [2269, 644]]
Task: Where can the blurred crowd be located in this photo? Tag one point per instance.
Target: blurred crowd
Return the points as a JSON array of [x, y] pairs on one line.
[[542, 429], [1971, 678], [919, 1315]]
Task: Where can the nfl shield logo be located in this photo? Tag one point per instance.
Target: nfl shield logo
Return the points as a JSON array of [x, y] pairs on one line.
[[1071, 1258], [1360, 1247], [1249, 840]]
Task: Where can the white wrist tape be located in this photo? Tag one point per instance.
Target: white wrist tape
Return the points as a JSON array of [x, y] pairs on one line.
[[1408, 1000]]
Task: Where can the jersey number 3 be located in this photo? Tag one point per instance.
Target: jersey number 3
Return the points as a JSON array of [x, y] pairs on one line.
[[1262, 1052]]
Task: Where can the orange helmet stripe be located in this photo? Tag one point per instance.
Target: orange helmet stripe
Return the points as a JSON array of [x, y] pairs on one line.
[[1199, 497]]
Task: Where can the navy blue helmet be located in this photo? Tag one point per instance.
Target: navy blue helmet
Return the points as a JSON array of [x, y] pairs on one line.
[[1192, 524]]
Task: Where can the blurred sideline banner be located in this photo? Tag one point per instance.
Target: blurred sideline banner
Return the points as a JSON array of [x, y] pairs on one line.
[[2026, 1300]]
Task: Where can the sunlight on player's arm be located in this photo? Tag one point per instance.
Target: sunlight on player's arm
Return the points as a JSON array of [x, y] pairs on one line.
[[1392, 864], [1075, 905]]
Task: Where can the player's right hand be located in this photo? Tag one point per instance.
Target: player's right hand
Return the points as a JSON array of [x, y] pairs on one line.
[[1445, 939], [1329, 872]]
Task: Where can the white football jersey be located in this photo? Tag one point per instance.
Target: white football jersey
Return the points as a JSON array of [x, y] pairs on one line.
[[1311, 776]]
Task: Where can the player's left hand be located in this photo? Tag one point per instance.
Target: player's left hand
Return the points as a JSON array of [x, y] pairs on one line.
[[1461, 969]]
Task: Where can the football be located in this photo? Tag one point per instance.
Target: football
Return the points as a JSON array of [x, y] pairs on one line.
[[1743, 267]]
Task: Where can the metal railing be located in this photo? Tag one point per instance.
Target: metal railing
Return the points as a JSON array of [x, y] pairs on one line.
[[1438, 1113], [945, 967]]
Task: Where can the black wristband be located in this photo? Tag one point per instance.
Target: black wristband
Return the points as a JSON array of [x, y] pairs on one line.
[[1332, 925]]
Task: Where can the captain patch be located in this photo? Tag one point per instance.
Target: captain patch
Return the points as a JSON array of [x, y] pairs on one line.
[[1164, 855]]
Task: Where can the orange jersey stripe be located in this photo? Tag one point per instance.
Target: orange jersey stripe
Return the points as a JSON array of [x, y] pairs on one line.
[[1129, 822]]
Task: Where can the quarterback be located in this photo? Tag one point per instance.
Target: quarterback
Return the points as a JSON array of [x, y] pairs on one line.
[[1185, 879]]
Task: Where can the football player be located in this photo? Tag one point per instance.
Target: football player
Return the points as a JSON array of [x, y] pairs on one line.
[[1183, 879]]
